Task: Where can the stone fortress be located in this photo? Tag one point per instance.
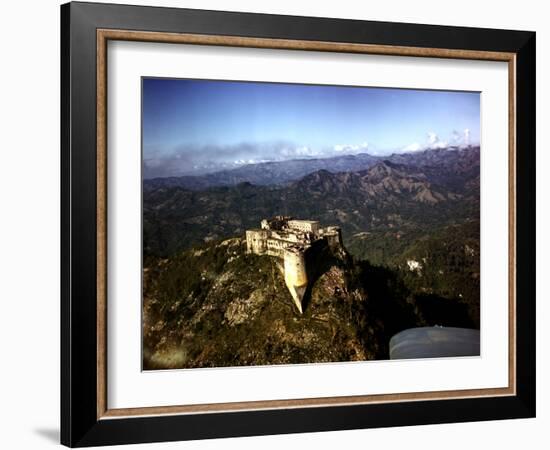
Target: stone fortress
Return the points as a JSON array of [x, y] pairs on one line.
[[290, 240]]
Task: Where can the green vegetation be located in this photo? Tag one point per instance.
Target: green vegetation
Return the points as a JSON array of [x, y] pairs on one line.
[[448, 267], [412, 233], [217, 306]]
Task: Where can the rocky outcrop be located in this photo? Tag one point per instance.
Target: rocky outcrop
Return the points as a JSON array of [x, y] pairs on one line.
[[224, 307]]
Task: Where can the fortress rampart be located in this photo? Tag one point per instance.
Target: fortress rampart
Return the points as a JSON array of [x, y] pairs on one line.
[[295, 275], [289, 240]]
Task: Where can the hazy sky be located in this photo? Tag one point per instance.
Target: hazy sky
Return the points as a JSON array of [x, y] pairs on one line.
[[196, 126]]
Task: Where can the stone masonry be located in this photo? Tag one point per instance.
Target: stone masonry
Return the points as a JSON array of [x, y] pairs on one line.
[[289, 240]]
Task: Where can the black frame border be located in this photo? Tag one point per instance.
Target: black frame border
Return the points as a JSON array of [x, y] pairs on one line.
[[79, 423]]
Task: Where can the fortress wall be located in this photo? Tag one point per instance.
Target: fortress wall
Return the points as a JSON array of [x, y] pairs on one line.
[[295, 276], [334, 237], [256, 241], [295, 268], [307, 226], [276, 252], [302, 241], [276, 246]]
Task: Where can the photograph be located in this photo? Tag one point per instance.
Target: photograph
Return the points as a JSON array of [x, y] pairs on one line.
[[277, 223], [304, 223]]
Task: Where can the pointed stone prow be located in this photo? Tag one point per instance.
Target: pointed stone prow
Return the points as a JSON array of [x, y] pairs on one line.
[[295, 274], [292, 240], [297, 293]]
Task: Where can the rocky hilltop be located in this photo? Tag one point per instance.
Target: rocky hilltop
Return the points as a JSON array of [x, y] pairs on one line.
[[218, 306]]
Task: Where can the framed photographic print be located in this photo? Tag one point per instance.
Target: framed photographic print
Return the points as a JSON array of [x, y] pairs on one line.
[[276, 224]]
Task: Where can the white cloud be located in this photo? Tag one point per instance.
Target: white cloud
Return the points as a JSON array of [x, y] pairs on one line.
[[292, 151], [467, 136], [432, 138], [456, 137], [414, 147], [351, 148], [461, 139], [434, 141]]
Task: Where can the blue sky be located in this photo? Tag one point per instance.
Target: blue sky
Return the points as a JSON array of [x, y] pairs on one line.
[[197, 126]]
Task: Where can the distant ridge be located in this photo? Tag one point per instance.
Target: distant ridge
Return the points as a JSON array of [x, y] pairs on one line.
[[267, 173], [283, 172]]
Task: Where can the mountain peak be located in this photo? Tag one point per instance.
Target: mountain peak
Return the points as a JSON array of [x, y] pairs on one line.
[[251, 315]]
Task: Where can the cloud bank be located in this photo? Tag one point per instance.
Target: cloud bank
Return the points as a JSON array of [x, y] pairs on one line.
[[197, 160], [433, 141], [192, 159]]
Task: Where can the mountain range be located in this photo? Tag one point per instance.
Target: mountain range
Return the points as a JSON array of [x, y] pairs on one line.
[[410, 224], [281, 172], [402, 194], [265, 173]]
